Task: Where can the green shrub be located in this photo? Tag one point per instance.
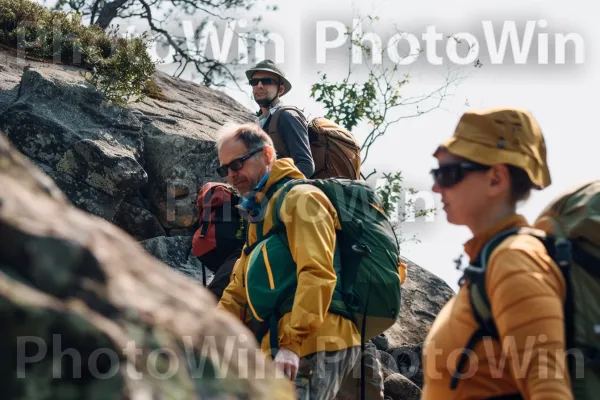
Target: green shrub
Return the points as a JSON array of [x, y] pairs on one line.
[[155, 92], [119, 68]]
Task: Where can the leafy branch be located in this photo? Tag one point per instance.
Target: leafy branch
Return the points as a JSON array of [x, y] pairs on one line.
[[381, 101]]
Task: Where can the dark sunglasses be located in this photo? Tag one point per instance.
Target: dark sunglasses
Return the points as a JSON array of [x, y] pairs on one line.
[[450, 174], [264, 81], [236, 164]]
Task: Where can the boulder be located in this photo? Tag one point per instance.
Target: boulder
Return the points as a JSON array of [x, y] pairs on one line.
[[138, 221], [398, 387], [423, 296], [408, 360], [388, 364], [87, 313]]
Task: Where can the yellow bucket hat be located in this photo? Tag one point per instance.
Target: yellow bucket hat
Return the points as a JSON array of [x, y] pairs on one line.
[[502, 136]]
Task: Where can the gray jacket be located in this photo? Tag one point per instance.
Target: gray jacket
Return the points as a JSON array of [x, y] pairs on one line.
[[295, 136]]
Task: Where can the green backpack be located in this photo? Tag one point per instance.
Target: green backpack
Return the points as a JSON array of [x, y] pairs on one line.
[[569, 227], [366, 260]]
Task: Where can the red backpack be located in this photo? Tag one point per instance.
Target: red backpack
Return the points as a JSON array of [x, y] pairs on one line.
[[221, 230]]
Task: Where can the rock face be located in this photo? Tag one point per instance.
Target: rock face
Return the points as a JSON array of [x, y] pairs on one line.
[[423, 296], [93, 150], [179, 137], [87, 313], [140, 168], [175, 251]]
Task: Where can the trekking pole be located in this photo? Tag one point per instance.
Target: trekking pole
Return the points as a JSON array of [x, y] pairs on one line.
[[363, 387]]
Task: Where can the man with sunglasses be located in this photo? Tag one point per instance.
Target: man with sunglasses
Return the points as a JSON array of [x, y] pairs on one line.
[[315, 348], [269, 84]]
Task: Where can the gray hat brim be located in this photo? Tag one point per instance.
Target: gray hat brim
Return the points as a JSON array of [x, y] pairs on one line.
[[286, 84]]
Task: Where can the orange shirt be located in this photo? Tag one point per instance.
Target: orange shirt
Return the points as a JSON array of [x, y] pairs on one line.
[[526, 291]]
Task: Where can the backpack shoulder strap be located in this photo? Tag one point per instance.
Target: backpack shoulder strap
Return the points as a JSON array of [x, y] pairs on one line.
[[273, 131], [478, 298], [476, 272], [277, 223], [277, 113]]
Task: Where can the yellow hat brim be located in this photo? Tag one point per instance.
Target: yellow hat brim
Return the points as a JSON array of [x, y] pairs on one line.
[[486, 155]]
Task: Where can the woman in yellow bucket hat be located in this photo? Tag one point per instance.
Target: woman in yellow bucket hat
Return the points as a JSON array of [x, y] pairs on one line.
[[493, 161]]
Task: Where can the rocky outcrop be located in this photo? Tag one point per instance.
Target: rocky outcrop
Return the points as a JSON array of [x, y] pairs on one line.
[[423, 295], [87, 313], [179, 137], [139, 167], [93, 150]]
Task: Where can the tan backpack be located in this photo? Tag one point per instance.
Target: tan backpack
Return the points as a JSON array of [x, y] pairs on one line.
[[335, 151]]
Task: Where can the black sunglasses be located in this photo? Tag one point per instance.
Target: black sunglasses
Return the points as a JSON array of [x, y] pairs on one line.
[[264, 81], [449, 175], [236, 164]]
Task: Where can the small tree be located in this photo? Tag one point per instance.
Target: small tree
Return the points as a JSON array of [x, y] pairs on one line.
[[157, 14], [119, 68], [379, 100]]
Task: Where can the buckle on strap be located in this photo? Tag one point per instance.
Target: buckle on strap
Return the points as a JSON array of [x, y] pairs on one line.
[[563, 251]]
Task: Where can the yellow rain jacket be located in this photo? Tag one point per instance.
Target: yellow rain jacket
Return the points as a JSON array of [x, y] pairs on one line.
[[526, 291], [309, 327]]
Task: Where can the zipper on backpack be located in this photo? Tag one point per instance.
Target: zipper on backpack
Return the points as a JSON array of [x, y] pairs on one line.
[[252, 310], [268, 267]]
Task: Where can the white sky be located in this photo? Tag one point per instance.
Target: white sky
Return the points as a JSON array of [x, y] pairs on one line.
[[563, 98]]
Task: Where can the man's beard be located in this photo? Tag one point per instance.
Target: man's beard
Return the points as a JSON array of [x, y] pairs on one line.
[[265, 101]]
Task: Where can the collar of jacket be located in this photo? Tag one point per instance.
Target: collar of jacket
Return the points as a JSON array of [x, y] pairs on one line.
[[262, 119], [475, 244], [249, 204], [282, 168]]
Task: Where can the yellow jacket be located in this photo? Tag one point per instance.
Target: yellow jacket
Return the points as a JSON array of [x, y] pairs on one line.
[[526, 291], [311, 223]]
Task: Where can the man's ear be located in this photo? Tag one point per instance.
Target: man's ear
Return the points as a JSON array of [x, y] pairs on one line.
[[281, 90], [269, 154]]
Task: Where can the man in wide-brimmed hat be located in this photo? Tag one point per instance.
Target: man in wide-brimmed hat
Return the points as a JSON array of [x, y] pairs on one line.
[[268, 85]]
